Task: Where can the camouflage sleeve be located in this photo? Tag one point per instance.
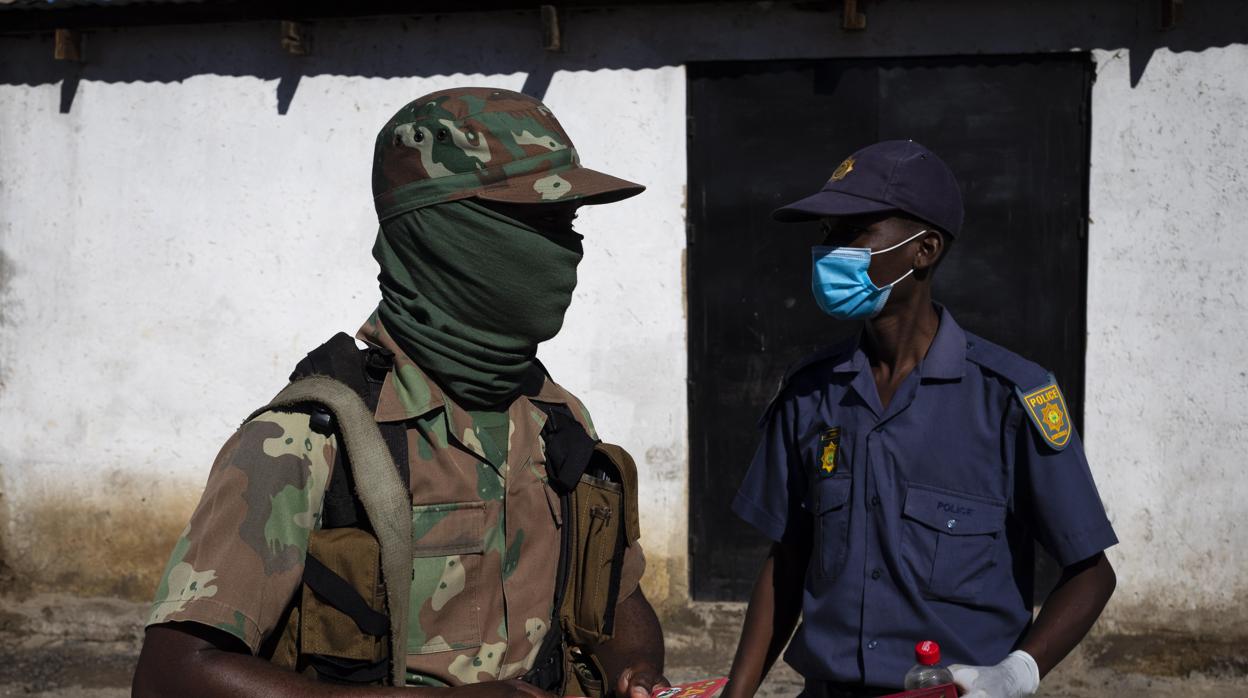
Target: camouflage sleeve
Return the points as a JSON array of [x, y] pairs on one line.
[[240, 559]]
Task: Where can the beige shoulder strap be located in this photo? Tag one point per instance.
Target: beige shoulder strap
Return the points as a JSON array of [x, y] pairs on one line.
[[386, 501]]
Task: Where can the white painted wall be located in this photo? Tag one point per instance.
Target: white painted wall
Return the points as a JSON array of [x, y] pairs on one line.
[[1167, 361], [176, 244]]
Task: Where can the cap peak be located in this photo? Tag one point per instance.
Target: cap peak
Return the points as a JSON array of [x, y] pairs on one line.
[[886, 176]]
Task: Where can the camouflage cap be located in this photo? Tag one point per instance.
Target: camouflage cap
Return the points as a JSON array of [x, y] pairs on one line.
[[486, 143]]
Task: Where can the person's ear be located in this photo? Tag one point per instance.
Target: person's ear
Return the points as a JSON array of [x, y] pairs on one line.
[[930, 248]]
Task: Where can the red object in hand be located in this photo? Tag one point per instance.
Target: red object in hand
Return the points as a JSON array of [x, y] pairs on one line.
[[927, 652], [706, 688], [698, 689], [928, 672]]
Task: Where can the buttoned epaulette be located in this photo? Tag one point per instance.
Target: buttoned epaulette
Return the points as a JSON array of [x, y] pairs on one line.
[[836, 352], [1035, 388], [1013, 368]]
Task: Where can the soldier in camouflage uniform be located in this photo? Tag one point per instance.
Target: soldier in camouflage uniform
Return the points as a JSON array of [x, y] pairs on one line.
[[475, 190]]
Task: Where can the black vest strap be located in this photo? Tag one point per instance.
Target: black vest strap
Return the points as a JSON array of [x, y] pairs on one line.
[[569, 449], [347, 671], [335, 591]]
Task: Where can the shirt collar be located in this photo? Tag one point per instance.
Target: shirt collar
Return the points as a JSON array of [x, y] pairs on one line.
[[946, 357], [852, 361], [407, 391], [552, 392]]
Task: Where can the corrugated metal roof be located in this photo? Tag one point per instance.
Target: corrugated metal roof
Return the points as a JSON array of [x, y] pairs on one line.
[[67, 4], [23, 16]]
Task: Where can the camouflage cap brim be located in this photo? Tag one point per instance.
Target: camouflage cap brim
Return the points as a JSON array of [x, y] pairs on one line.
[[568, 183], [576, 184]]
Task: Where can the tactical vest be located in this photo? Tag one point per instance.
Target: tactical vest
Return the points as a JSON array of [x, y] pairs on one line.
[[345, 622]]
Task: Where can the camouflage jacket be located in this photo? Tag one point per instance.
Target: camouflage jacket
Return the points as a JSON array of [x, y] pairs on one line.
[[474, 617]]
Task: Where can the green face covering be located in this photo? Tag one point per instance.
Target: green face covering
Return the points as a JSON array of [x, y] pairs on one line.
[[468, 294]]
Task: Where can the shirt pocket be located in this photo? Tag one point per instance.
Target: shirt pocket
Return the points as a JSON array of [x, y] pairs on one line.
[[950, 541], [832, 524], [447, 551]]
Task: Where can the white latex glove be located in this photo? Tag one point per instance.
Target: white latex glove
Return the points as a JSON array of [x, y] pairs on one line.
[[1016, 676]]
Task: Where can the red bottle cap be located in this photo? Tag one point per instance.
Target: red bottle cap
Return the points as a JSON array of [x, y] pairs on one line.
[[927, 652]]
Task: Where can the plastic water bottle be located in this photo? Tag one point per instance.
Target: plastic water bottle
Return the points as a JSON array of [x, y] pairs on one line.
[[929, 672]]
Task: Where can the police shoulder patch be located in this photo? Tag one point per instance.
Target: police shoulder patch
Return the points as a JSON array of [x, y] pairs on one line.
[[829, 444], [1046, 407]]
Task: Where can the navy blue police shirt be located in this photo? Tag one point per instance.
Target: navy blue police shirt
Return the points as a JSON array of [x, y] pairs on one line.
[[922, 514]]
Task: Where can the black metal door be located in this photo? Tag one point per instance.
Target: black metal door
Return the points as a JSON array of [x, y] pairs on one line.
[[1014, 130]]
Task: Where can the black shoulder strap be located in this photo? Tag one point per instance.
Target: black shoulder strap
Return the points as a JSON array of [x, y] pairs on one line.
[[336, 590], [364, 371], [340, 359], [568, 446], [569, 450]]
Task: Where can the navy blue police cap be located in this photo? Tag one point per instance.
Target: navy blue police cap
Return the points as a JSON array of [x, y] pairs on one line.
[[889, 176]]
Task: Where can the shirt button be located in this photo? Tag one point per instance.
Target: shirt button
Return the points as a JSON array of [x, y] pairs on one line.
[[875, 501], [951, 523], [875, 574], [872, 645]]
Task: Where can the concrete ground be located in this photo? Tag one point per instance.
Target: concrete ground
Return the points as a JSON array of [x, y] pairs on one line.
[[57, 646]]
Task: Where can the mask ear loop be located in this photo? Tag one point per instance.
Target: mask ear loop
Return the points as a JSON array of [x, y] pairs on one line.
[[901, 278], [890, 249]]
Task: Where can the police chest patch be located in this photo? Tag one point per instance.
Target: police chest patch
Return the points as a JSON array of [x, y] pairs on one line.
[[829, 444], [1047, 409]]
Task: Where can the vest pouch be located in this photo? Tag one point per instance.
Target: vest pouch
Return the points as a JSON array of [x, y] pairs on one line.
[[602, 513], [583, 674], [282, 647], [341, 591]]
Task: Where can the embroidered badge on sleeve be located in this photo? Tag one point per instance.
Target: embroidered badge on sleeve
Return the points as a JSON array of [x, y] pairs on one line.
[[1047, 409]]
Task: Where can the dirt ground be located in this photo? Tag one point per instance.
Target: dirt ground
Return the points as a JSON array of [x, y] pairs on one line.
[[58, 646]]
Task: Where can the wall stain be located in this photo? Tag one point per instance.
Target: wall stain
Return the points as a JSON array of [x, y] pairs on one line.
[[1169, 654], [112, 549], [665, 583], [7, 576], [117, 547]]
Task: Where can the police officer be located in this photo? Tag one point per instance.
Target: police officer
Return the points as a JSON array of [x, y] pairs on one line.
[[905, 475], [476, 190]]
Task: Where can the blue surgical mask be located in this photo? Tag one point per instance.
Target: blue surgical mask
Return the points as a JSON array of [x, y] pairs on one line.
[[841, 285]]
